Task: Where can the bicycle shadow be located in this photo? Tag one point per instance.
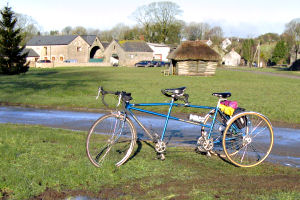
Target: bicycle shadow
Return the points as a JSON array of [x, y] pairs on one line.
[[139, 144]]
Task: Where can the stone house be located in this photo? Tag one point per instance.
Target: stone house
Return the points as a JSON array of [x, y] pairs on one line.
[[232, 58], [32, 56], [208, 42], [58, 49], [127, 52], [225, 44]]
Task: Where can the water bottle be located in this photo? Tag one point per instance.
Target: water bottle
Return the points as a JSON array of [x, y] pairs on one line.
[[196, 118]]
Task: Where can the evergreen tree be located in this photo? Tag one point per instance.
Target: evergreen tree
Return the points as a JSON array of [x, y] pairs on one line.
[[12, 56], [280, 53]]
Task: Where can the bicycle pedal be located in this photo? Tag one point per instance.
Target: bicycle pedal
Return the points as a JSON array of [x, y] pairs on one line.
[[162, 156]]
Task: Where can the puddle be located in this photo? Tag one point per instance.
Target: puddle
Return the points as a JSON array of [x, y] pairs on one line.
[[286, 150]]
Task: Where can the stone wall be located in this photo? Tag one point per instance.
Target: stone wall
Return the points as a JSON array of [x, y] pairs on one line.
[[52, 65]]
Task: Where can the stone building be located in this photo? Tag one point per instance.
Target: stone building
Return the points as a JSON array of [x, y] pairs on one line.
[[32, 56], [232, 59], [127, 52], [58, 49]]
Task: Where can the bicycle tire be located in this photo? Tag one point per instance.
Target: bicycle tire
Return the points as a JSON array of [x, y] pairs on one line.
[[217, 132], [110, 140], [250, 144]]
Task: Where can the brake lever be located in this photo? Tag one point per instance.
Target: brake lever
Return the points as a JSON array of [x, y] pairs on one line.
[[99, 91], [120, 96]]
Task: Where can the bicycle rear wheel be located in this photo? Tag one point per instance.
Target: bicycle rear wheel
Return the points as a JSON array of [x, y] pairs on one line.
[[110, 140], [248, 139]]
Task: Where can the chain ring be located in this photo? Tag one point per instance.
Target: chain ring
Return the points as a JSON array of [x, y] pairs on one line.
[[204, 144], [160, 147]]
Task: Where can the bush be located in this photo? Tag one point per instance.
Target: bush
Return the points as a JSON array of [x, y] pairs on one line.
[[295, 66]]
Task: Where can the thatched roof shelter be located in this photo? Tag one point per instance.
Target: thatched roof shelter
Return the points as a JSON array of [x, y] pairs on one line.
[[194, 50], [194, 58]]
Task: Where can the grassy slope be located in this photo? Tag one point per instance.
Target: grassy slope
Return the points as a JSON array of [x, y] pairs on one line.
[[34, 159], [273, 96]]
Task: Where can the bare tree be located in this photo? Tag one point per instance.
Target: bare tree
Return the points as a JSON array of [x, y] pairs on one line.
[[293, 30], [196, 31], [67, 30], [215, 34], [118, 31], [54, 32], [92, 31], [79, 30], [29, 27], [106, 35], [156, 19]]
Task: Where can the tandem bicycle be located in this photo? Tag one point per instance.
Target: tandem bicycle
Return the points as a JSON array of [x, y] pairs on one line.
[[245, 138]]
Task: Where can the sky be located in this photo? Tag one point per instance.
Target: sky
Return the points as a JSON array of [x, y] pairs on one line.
[[240, 18]]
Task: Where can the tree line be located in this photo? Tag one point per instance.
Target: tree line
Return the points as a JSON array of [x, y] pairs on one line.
[[159, 22]]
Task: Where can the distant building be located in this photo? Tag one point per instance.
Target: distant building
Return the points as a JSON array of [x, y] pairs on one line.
[[225, 44], [208, 42], [127, 52], [232, 59], [194, 58], [67, 47], [160, 51], [32, 56]]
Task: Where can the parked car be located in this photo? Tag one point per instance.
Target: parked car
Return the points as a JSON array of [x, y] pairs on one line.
[[70, 61], [44, 61], [158, 63], [144, 63], [164, 63]]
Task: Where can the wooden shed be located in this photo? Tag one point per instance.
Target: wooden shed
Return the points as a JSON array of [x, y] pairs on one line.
[[194, 58]]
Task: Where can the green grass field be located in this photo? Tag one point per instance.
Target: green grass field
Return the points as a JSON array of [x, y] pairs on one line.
[[69, 88], [47, 163]]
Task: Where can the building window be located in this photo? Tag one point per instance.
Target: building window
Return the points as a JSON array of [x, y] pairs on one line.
[[45, 51], [114, 46], [79, 49]]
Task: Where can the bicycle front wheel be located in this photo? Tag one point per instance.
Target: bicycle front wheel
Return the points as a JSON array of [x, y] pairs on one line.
[[248, 139], [110, 140]]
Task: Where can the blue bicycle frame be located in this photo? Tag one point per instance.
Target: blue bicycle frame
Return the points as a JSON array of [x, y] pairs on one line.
[[168, 116]]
